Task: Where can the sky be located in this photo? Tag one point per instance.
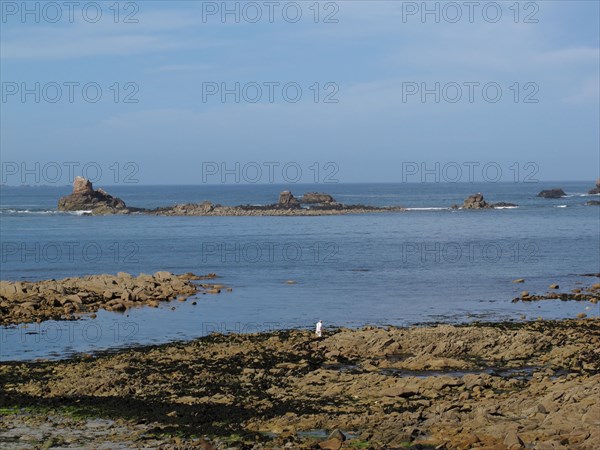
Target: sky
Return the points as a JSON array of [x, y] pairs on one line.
[[191, 92]]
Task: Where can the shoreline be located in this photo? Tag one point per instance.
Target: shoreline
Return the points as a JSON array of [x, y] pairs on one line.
[[500, 385]]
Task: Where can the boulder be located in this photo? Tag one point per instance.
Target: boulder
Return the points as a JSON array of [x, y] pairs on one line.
[[400, 391], [337, 434], [316, 197], [552, 193], [84, 197], [81, 186], [287, 200], [330, 444], [163, 275], [596, 190], [475, 201], [513, 441]]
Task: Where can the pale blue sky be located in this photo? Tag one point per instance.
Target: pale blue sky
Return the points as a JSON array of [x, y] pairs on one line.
[[368, 54]]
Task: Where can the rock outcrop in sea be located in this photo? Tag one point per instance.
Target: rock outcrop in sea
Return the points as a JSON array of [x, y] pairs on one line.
[[316, 197], [476, 201], [70, 298], [85, 198], [596, 190], [287, 200], [99, 202], [552, 193]]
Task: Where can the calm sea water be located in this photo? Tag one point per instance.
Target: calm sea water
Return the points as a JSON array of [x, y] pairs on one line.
[[424, 265]]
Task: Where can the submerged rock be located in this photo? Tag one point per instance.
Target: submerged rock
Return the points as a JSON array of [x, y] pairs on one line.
[[504, 205], [552, 193], [84, 198]]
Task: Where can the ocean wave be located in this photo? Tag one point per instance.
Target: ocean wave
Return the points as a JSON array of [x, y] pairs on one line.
[[369, 195], [560, 206], [505, 207], [579, 194], [433, 208]]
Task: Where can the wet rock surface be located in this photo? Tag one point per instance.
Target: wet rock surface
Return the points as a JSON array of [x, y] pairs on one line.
[[68, 299], [494, 386]]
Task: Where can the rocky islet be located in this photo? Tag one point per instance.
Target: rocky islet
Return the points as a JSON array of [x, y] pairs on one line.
[[85, 198], [98, 202], [476, 201], [552, 193], [589, 294], [68, 299]]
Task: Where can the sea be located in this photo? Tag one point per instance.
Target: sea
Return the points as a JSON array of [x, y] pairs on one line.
[[428, 264]]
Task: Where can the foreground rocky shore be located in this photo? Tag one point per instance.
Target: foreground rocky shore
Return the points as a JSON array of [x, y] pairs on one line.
[[493, 386], [70, 298]]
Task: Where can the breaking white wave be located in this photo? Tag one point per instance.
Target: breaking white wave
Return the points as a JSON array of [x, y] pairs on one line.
[[436, 208], [560, 206], [44, 212], [579, 194], [505, 207]]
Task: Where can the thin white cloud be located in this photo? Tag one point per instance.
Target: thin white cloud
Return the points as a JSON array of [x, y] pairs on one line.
[[575, 55], [182, 68], [156, 31], [585, 92], [65, 46]]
